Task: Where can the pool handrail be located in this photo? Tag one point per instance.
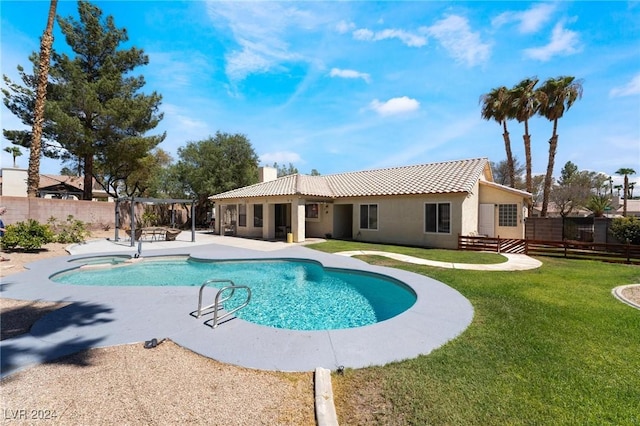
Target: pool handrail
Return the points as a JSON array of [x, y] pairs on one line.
[[217, 304]]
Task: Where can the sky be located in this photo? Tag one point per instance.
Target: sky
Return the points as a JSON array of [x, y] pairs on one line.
[[342, 86]]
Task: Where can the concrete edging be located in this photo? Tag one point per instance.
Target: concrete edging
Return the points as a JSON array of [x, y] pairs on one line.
[[325, 409], [617, 293]]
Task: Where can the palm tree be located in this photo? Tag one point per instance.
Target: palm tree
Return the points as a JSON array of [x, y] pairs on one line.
[[618, 187], [598, 204], [33, 178], [496, 105], [15, 152], [526, 103], [557, 95], [625, 172]]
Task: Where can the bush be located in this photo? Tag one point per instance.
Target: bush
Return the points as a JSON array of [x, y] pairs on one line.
[[626, 229], [71, 231], [29, 235]]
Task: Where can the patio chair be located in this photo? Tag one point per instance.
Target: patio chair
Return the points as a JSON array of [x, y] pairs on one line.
[[171, 234]]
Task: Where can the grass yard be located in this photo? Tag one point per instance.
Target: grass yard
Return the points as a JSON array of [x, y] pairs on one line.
[[452, 256], [548, 346]]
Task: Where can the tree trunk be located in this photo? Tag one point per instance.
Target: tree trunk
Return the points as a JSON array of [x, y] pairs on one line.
[[527, 158], [33, 177], [507, 148], [87, 191], [626, 195], [553, 146]]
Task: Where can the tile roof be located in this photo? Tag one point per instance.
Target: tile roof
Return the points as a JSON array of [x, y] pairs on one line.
[[52, 180], [433, 178]]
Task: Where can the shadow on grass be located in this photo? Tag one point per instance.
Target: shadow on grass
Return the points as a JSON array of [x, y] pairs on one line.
[[41, 345]]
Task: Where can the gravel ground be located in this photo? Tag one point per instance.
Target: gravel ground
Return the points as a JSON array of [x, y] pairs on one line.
[[131, 385]]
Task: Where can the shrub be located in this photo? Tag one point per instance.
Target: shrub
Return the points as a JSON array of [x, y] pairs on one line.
[[70, 231], [626, 229], [29, 235]]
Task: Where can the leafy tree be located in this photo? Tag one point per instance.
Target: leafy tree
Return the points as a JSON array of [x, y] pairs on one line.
[[501, 171], [526, 103], [578, 188], [20, 100], [15, 152], [626, 229], [625, 172], [537, 183], [285, 170], [100, 116], [215, 165], [144, 180], [314, 172], [497, 105], [33, 174], [66, 171], [568, 172], [557, 96]]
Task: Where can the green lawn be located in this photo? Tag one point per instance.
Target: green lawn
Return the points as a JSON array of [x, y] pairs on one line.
[[548, 346], [439, 255]]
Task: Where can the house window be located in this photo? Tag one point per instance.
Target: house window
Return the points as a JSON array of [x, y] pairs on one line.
[[242, 215], [508, 215], [368, 216], [437, 217], [257, 215], [311, 211]]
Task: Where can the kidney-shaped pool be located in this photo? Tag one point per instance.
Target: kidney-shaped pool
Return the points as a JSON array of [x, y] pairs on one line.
[[291, 294]]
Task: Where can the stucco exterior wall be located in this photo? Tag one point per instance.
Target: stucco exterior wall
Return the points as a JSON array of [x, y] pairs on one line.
[[495, 196], [401, 220], [323, 225], [470, 207], [14, 182]]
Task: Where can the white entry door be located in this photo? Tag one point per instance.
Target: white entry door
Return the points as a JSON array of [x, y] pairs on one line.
[[486, 220]]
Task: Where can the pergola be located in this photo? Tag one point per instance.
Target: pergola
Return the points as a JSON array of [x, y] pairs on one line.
[[171, 201]]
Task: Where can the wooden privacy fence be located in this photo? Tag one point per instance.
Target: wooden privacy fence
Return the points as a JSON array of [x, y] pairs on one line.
[[620, 253]]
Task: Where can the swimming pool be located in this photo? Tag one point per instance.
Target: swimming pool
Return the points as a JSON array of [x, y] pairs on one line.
[[290, 294]]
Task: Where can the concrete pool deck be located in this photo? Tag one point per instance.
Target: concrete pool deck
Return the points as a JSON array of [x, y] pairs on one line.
[[106, 316]]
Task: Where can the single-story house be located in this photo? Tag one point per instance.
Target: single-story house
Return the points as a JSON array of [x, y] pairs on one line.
[[422, 205], [13, 182]]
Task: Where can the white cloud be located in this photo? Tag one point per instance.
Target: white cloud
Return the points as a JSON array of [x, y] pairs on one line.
[[344, 27], [337, 72], [563, 42], [455, 35], [530, 21], [261, 30], [407, 38], [281, 157], [395, 106], [629, 89]]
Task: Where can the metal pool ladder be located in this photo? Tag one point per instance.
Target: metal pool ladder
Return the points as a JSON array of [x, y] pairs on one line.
[[216, 306]]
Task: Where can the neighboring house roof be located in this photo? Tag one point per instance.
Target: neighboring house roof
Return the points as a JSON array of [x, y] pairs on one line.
[[633, 207], [434, 178], [47, 181]]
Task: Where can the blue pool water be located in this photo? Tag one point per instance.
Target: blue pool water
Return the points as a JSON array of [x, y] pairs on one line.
[[291, 294]]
